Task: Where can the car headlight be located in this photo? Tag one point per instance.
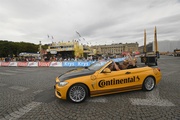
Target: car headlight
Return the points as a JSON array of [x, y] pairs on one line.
[[62, 83]]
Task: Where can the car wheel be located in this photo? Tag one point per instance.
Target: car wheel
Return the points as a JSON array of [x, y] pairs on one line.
[[77, 93], [149, 84]]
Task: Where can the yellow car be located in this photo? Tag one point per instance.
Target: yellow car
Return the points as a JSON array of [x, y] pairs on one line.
[[78, 84]]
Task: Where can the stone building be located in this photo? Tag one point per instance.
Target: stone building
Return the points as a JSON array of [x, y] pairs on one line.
[[74, 49], [117, 48]]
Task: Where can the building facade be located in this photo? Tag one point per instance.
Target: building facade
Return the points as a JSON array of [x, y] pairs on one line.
[[117, 48], [74, 49]]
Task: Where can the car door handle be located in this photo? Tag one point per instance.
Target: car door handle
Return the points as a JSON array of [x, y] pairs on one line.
[[128, 73]]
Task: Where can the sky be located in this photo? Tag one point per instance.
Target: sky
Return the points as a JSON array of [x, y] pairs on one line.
[[91, 22]]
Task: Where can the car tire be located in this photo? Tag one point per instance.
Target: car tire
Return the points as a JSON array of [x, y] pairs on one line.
[[77, 93], [149, 84]]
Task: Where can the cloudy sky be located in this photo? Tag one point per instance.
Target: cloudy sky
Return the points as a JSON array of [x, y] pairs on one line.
[[97, 21]]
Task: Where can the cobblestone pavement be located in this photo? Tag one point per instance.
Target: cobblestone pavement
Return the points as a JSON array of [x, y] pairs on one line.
[[27, 93]]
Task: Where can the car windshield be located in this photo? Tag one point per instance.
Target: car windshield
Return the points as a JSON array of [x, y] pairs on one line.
[[97, 65]]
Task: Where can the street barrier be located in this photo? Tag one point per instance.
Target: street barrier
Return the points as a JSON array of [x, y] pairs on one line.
[[13, 64], [77, 64], [32, 64], [43, 64], [22, 64], [118, 59], [53, 64], [5, 63]]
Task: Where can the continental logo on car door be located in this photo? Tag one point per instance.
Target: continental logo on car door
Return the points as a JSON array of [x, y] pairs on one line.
[[104, 83]]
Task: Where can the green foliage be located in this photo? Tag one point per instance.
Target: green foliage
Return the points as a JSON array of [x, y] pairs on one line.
[[8, 48]]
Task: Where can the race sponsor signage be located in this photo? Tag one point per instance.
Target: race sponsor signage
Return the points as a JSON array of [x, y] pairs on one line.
[[13, 64], [76, 64], [5, 63], [56, 64], [83, 64], [32, 64], [22, 64], [104, 83], [118, 59], [49, 64], [69, 64], [43, 64]]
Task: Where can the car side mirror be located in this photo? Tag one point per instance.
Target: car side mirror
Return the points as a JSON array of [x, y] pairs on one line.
[[106, 70]]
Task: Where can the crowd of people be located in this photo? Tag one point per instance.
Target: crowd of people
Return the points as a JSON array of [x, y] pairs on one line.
[[128, 61], [47, 59]]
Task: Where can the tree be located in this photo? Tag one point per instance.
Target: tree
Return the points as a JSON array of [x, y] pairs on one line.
[[8, 48]]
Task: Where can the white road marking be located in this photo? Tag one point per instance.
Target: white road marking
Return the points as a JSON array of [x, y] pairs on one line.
[[5, 73], [9, 72], [152, 99], [20, 88], [38, 91], [99, 100], [2, 84], [16, 71], [21, 111], [26, 70], [169, 73], [12, 71]]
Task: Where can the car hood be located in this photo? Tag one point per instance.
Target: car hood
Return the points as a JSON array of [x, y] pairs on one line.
[[75, 73]]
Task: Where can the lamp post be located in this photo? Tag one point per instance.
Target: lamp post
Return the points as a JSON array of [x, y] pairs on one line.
[[40, 48]]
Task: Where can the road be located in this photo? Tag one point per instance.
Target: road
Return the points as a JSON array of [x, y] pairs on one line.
[[27, 93]]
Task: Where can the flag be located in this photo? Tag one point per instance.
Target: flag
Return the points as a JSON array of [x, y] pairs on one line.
[[48, 36], [52, 37], [78, 34]]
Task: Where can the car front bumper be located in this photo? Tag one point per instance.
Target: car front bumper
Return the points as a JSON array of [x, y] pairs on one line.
[[60, 91]]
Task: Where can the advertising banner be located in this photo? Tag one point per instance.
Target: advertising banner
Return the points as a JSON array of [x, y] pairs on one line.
[[56, 64], [13, 64], [22, 64], [77, 64], [83, 64], [118, 59], [43, 64], [49, 64], [69, 64], [32, 64], [5, 63]]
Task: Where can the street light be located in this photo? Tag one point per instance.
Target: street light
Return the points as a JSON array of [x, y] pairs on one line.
[[40, 48]]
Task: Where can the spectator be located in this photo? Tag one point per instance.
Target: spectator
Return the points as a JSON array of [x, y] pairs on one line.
[[113, 67]]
